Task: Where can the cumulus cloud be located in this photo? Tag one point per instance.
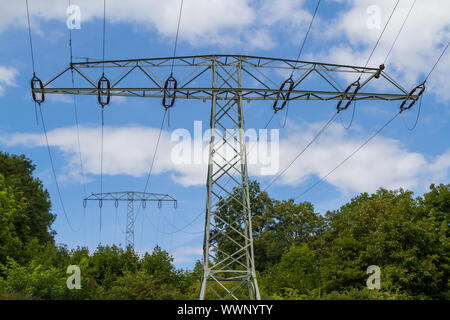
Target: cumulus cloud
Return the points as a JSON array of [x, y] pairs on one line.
[[7, 77], [422, 40], [384, 162], [214, 22]]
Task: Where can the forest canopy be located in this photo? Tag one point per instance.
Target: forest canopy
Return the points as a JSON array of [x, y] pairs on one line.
[[299, 253]]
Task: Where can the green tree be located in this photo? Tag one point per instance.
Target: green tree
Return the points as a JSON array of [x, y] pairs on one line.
[[26, 202], [404, 236], [11, 211], [296, 273]]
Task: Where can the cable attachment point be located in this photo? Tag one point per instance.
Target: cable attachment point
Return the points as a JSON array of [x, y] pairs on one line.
[[36, 84], [357, 86], [104, 93], [380, 68], [169, 92], [288, 85], [420, 87]]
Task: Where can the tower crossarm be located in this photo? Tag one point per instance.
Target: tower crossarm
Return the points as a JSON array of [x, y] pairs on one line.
[[130, 196], [261, 78]]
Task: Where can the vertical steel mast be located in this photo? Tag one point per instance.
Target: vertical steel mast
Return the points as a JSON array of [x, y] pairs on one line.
[[227, 271]]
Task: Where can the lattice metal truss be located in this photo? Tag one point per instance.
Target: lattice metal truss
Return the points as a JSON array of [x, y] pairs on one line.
[[227, 81], [130, 197]]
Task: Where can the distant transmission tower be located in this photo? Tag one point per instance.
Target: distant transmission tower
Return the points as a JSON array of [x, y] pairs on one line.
[[130, 197]]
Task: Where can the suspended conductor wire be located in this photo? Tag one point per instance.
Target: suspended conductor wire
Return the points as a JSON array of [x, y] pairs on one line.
[[421, 97], [101, 167], [400, 31], [103, 117], [351, 120], [153, 158], [176, 37], [306, 37], [298, 58], [54, 172], [280, 173], [155, 152], [368, 60], [182, 229], [381, 35], [32, 56], [30, 38], [38, 106], [417, 117], [104, 34], [348, 157], [437, 61]]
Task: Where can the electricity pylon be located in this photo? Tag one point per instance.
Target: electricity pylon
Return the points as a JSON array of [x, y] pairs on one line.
[[227, 81], [130, 197]]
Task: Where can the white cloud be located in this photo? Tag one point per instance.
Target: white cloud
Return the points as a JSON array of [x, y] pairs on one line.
[[426, 32], [384, 162], [7, 77], [215, 22]]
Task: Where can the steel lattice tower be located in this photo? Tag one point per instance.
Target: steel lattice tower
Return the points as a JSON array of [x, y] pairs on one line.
[[228, 81], [130, 197]]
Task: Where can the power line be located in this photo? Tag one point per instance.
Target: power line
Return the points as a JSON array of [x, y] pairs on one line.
[[155, 152], [102, 113], [30, 38], [54, 171], [401, 28], [306, 36], [176, 37], [38, 106], [280, 173], [437, 61], [153, 158], [101, 166], [295, 65], [417, 117], [382, 32], [351, 120], [104, 33], [348, 157]]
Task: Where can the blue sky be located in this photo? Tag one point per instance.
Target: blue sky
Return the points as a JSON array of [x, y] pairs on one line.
[[137, 29]]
